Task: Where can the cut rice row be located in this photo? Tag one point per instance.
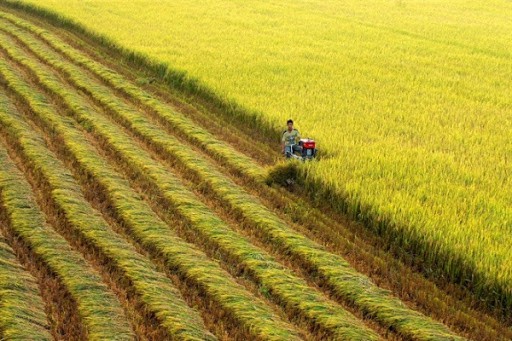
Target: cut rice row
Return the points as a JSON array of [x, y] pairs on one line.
[[99, 311], [154, 289], [22, 314], [165, 112]]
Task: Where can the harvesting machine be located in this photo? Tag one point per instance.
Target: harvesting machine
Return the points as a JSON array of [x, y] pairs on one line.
[[305, 150]]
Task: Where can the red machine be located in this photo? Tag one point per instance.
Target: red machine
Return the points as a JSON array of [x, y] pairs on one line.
[[308, 148]]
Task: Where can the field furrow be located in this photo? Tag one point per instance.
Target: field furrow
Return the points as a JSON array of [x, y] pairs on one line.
[[91, 310], [22, 314], [254, 317], [332, 269], [154, 289]]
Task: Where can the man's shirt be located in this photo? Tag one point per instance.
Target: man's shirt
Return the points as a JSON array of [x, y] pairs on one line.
[[290, 137]]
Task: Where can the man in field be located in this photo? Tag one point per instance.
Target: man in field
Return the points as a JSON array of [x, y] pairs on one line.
[[290, 140]]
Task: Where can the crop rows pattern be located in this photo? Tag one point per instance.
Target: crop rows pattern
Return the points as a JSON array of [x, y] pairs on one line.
[[409, 102], [141, 224]]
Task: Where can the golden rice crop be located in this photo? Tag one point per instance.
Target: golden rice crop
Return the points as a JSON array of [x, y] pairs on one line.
[[101, 314], [410, 99], [21, 306], [177, 217]]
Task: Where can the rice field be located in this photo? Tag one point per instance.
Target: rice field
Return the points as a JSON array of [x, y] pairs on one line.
[[409, 100], [127, 213]]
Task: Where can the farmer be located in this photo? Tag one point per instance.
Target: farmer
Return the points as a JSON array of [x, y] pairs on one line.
[[290, 140]]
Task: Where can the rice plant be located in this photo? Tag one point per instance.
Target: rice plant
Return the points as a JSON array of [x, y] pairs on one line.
[[22, 314], [107, 189]]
